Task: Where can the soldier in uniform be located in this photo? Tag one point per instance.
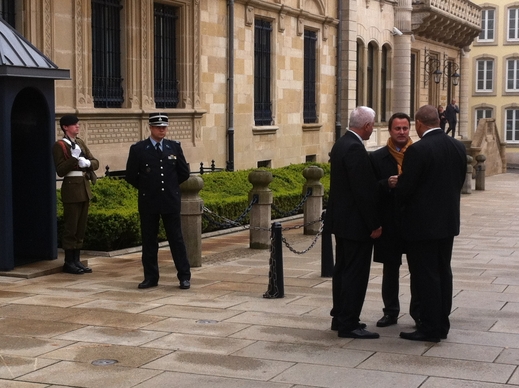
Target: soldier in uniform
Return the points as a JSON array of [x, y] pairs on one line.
[[74, 161], [156, 167]]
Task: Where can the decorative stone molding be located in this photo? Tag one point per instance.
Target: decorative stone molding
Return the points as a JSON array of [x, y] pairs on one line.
[[300, 26], [249, 16], [146, 64], [83, 70], [47, 29], [281, 21]]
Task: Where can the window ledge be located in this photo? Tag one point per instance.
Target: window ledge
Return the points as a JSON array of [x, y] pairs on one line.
[[312, 127], [265, 130]]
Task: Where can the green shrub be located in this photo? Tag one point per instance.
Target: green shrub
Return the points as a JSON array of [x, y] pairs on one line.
[[113, 219]]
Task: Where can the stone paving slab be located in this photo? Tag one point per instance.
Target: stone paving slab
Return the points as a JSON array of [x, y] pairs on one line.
[[20, 384], [77, 374], [12, 367], [337, 377], [130, 356], [218, 365], [186, 380]]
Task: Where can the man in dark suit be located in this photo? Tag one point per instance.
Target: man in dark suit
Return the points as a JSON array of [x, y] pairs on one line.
[[428, 193], [351, 216], [389, 248], [156, 167], [451, 114]]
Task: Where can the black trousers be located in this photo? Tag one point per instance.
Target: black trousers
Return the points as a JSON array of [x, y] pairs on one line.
[[430, 267], [350, 281], [452, 128], [391, 290], [150, 246]]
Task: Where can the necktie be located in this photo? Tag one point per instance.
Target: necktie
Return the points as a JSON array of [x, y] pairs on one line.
[[159, 151]]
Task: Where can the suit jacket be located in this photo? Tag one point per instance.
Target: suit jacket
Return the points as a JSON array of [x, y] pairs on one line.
[[351, 212], [389, 246], [157, 179], [76, 188], [451, 113], [429, 189]]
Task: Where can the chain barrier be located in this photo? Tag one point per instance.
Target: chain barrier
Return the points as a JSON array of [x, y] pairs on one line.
[[295, 210], [227, 222], [293, 250]]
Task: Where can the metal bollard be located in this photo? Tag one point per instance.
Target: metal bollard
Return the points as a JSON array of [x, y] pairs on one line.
[[276, 288], [326, 253]]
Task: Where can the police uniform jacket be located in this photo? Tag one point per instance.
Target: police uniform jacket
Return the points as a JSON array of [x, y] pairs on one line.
[[74, 188], [157, 178]]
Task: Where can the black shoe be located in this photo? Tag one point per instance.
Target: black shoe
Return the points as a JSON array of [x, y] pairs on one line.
[[358, 333], [419, 336], [71, 268], [79, 264], [147, 284], [185, 284], [335, 325], [387, 320]]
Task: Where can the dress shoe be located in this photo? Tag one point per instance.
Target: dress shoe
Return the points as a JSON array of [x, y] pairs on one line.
[[419, 336], [335, 325], [185, 284], [85, 269], [71, 268], [358, 333], [387, 320], [147, 284]]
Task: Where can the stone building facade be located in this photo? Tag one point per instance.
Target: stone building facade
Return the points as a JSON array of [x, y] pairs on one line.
[[255, 82], [494, 87]]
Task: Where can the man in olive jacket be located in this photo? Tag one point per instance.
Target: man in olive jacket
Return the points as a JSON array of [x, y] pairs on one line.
[[156, 167], [74, 161]]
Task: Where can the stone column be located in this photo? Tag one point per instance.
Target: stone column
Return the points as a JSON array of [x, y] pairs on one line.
[[463, 102], [480, 171], [191, 215], [401, 98], [260, 215], [313, 206]]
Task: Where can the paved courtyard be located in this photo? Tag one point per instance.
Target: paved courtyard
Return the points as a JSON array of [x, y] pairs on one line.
[[99, 330]]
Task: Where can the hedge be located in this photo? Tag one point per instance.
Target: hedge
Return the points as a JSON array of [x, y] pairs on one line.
[[113, 219]]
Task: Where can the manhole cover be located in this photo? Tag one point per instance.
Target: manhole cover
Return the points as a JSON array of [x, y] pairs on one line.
[[206, 321], [104, 362]]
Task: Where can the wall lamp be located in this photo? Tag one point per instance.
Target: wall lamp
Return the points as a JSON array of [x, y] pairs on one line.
[[431, 68], [450, 68]]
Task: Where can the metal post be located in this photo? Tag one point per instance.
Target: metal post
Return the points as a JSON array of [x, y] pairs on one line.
[[276, 288], [326, 253]]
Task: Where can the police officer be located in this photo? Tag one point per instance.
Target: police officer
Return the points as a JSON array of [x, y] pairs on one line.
[[156, 167], [74, 161]]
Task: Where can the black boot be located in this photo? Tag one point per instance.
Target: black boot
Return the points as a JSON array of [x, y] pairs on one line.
[[69, 266], [78, 263]]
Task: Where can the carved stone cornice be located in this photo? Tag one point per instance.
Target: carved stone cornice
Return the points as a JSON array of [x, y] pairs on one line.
[[288, 11], [453, 22]]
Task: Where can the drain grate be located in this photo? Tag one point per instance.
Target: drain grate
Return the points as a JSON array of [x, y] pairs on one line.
[[206, 321], [104, 362]]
